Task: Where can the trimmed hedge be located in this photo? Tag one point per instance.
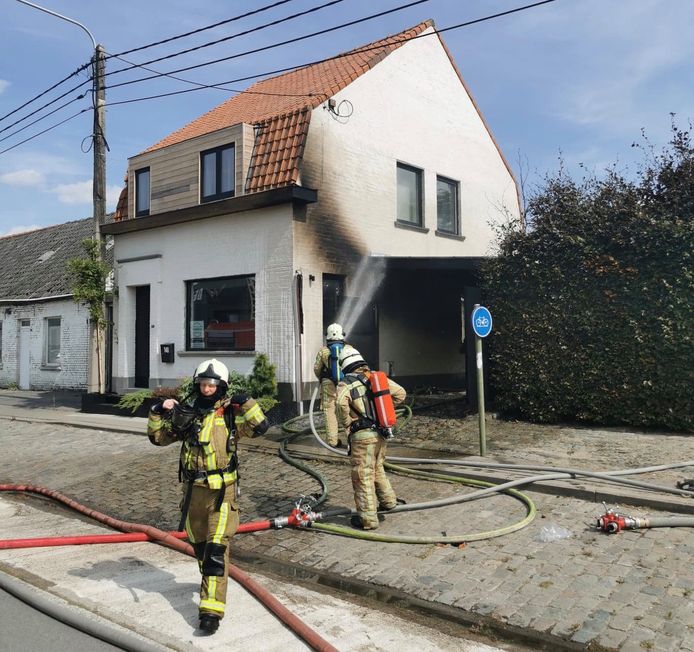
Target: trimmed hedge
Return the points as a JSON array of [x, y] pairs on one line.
[[593, 304]]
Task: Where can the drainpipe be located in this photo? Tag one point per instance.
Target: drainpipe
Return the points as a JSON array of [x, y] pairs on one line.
[[297, 307]]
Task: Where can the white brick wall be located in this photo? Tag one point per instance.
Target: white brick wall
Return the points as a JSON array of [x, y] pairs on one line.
[[74, 344], [256, 242], [411, 108]]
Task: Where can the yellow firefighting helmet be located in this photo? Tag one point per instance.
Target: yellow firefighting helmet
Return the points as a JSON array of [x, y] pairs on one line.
[[334, 333], [350, 359]]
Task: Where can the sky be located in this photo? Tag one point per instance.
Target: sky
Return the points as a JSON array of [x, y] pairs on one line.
[[576, 81]]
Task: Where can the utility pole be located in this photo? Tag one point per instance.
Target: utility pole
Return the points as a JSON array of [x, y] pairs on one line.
[[96, 365]]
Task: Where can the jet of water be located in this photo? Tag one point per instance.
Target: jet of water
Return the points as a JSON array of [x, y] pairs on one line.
[[366, 280]]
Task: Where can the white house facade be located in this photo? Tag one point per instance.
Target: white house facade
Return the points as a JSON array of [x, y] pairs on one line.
[[370, 196]]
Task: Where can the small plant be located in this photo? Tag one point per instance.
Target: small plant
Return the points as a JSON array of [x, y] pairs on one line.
[[134, 400], [13, 387], [262, 381]]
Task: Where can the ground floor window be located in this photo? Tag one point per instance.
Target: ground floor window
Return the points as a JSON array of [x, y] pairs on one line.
[[221, 314], [51, 341], [333, 298]]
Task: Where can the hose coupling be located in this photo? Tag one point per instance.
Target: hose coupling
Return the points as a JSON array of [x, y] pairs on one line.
[[612, 522]]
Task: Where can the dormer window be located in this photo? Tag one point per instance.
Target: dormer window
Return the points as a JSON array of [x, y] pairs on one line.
[[142, 193], [217, 173]]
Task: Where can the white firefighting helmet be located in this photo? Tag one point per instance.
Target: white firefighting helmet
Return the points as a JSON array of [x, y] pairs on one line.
[[334, 333], [350, 359], [212, 371]]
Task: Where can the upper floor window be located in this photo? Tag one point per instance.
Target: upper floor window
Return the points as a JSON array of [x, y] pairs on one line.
[[221, 314], [447, 216], [217, 173], [51, 341], [409, 195], [142, 194]]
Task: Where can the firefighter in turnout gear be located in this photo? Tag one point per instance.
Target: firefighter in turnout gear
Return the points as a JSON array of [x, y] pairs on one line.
[[367, 439], [328, 371], [208, 424]]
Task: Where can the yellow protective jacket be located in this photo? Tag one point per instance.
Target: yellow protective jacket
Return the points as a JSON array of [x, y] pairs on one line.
[[210, 457], [351, 398]]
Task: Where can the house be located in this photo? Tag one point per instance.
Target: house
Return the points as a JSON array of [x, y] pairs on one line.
[[364, 188], [44, 333]]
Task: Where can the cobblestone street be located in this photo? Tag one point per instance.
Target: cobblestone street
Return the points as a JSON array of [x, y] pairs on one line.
[[631, 591]]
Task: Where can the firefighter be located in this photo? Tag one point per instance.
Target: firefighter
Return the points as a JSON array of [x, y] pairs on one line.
[[208, 423], [367, 440], [327, 370]]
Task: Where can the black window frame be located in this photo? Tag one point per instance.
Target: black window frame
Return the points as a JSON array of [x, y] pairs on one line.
[[188, 288], [456, 205], [217, 151], [142, 212], [419, 172]]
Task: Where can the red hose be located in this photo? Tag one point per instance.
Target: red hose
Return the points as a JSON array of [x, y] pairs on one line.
[[301, 629]]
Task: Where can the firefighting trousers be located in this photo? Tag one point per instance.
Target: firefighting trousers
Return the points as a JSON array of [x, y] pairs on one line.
[[328, 403], [369, 481], [209, 530]]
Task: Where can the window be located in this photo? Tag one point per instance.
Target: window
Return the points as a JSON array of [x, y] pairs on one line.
[[51, 347], [142, 193], [217, 173], [447, 206], [0, 344], [409, 195], [221, 314]]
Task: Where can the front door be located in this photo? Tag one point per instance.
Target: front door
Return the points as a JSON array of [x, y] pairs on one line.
[[23, 353], [142, 328]]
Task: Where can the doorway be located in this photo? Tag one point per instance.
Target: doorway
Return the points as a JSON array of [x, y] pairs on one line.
[[142, 328], [24, 354]]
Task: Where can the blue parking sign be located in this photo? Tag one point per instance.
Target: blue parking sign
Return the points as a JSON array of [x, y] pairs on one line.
[[481, 321]]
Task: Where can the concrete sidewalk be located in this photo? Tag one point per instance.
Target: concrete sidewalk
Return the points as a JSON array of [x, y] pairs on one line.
[[631, 591]]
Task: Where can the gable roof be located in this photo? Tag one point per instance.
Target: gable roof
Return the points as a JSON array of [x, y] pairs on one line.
[[280, 108], [33, 265]]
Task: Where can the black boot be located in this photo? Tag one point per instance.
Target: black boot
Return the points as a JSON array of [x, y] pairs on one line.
[[209, 623]]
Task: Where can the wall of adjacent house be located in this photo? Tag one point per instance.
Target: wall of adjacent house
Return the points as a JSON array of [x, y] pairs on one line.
[[253, 242], [74, 344], [175, 170], [410, 108]]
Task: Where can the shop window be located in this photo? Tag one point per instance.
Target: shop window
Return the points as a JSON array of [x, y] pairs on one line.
[[221, 314]]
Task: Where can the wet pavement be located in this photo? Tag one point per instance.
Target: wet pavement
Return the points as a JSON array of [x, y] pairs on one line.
[[631, 591]]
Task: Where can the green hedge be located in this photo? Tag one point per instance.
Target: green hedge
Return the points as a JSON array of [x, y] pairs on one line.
[[593, 304]]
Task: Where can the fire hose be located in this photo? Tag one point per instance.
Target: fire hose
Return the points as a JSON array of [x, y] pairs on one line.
[[293, 622]]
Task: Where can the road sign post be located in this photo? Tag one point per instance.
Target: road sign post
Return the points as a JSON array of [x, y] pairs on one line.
[[481, 325]]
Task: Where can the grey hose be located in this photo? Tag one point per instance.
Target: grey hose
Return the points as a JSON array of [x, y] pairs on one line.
[[553, 473], [74, 619], [677, 521]]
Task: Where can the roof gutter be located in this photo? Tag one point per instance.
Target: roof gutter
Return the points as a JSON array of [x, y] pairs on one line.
[[33, 300]]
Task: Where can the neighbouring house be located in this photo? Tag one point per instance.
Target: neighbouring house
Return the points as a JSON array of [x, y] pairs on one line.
[[364, 188], [44, 333]]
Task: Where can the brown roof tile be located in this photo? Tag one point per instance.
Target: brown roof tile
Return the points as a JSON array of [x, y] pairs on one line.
[[280, 108]]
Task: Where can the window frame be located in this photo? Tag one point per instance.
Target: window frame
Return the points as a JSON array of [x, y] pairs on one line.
[[217, 151], [419, 172], [188, 312], [46, 363], [138, 211], [456, 206], [0, 343]]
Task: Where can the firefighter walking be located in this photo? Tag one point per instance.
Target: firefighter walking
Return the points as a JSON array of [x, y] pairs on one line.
[[208, 425], [361, 416], [328, 371]]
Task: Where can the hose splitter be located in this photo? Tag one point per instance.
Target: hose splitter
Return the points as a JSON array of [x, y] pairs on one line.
[[612, 522], [301, 516]]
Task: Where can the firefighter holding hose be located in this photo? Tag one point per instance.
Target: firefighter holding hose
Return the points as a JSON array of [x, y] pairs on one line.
[[208, 424], [365, 401]]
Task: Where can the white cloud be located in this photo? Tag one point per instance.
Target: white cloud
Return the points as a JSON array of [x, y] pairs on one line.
[[21, 229], [112, 194], [22, 178], [4, 84], [74, 193]]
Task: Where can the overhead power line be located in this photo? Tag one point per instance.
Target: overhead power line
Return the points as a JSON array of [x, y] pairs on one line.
[[278, 71], [200, 29], [48, 90], [275, 45], [279, 21]]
